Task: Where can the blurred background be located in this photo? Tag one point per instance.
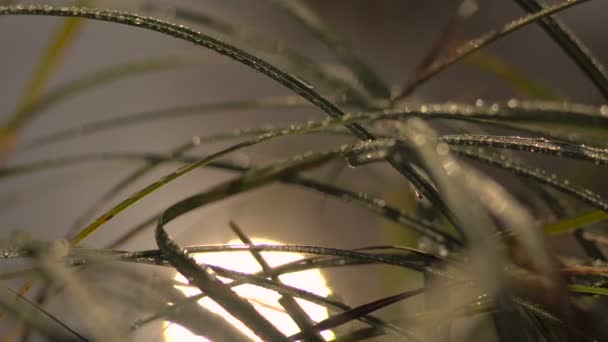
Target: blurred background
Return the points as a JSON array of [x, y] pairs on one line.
[[393, 36]]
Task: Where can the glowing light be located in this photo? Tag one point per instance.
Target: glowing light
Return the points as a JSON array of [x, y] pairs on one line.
[[264, 300]]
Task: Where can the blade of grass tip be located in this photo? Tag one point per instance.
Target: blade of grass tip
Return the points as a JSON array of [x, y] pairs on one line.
[[442, 44], [295, 311], [571, 44], [125, 182], [576, 222], [296, 61], [476, 44], [50, 61], [197, 38], [350, 315], [306, 16], [205, 279]]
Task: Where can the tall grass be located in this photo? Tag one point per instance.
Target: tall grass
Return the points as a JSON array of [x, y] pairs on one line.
[[479, 252]]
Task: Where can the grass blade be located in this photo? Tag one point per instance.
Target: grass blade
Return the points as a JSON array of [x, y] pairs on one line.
[[197, 38], [284, 102], [49, 62], [350, 315], [37, 318], [295, 311], [305, 15], [572, 45], [576, 222], [475, 44], [296, 62], [205, 279]]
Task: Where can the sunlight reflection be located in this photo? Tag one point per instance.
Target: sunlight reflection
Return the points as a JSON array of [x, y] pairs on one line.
[[265, 301]]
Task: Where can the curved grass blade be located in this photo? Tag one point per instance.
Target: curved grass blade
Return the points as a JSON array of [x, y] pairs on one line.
[[306, 16], [125, 182], [205, 161], [297, 62], [475, 44], [295, 311], [283, 102], [376, 205], [535, 145], [525, 111], [48, 63], [586, 195], [572, 45], [411, 261], [441, 45], [197, 38], [350, 315], [98, 78]]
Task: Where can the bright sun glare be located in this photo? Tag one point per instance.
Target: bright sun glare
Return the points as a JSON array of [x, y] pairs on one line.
[[265, 301]]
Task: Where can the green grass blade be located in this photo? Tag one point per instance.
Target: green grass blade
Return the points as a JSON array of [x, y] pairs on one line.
[[572, 45], [588, 289], [576, 222], [49, 62], [125, 182], [300, 11]]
